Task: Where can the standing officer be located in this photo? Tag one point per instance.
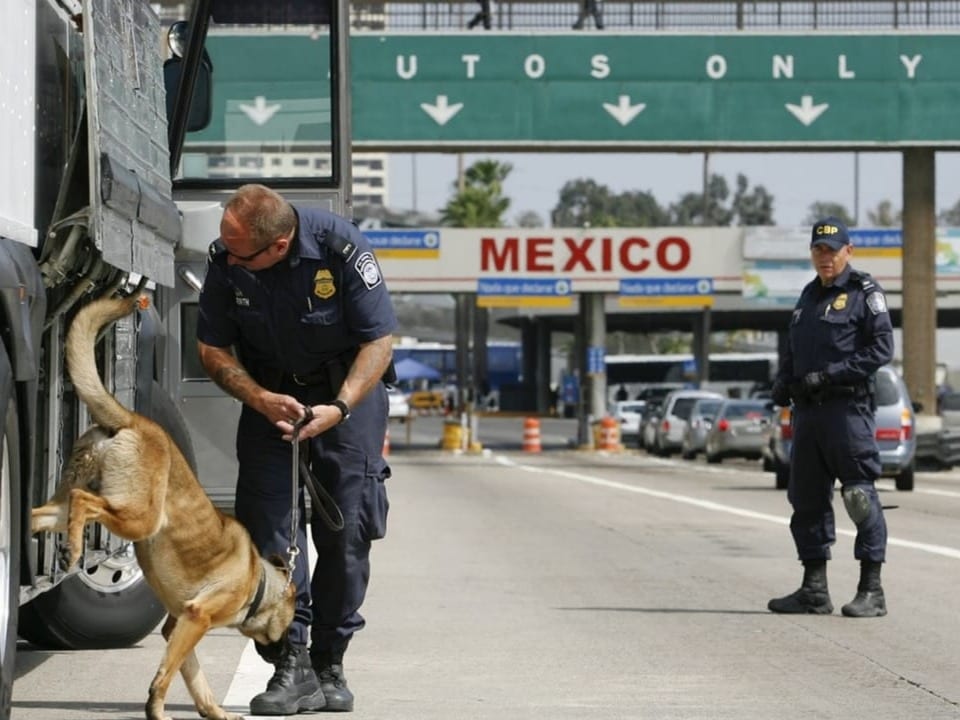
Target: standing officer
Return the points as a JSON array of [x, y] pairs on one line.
[[295, 316], [840, 334]]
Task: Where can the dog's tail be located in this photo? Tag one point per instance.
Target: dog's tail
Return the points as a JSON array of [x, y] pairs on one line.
[[104, 408]]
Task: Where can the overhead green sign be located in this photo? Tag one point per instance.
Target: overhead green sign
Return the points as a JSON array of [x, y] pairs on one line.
[[626, 90]]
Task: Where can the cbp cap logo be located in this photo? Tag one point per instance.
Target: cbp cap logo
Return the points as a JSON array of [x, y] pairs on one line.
[[831, 232], [323, 286]]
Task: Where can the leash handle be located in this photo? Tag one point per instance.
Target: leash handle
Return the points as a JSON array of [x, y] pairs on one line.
[[292, 550], [304, 419]]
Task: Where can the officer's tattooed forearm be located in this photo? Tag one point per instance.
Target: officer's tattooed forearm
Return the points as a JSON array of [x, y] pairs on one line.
[[229, 375], [367, 369], [236, 381]]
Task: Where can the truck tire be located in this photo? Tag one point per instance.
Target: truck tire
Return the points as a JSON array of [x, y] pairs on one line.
[[9, 534], [110, 605]]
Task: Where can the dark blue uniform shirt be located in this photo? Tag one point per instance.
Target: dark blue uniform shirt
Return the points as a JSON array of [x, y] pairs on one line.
[[323, 300], [843, 329]]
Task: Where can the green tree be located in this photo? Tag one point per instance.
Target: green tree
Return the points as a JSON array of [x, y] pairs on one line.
[[584, 202], [884, 215], [529, 219], [951, 216], [752, 207], [481, 202], [819, 210], [699, 208]]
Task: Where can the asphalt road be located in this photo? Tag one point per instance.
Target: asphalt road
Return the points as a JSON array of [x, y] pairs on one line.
[[587, 585]]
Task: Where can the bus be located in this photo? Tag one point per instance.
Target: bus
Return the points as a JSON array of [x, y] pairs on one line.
[[124, 115], [738, 374]]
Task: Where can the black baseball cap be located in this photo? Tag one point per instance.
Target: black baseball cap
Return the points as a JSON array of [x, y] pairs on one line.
[[830, 231]]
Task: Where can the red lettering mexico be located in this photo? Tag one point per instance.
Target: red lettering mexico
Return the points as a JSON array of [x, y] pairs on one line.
[[586, 255]]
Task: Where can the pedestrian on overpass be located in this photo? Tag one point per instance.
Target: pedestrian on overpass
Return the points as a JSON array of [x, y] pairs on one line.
[[483, 16], [295, 317], [840, 334], [589, 8]]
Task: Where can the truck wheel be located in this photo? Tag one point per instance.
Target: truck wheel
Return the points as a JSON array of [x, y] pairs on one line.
[[904, 480], [9, 537], [109, 605]]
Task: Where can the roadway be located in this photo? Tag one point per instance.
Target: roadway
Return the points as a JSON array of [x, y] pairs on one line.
[[577, 585]]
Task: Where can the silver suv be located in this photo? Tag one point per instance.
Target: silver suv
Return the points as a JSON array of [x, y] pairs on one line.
[[673, 421]]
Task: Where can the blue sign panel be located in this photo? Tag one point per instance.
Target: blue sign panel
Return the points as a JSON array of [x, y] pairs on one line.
[[417, 244], [524, 292], [666, 292], [596, 360]]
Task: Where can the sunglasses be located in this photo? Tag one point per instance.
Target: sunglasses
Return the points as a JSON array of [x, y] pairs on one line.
[[251, 256]]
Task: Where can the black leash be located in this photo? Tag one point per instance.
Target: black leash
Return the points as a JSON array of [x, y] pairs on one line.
[[322, 501]]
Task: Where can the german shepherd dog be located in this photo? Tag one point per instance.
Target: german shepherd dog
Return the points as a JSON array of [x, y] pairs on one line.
[[127, 474]]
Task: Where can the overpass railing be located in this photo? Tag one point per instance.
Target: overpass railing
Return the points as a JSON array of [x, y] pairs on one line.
[[675, 15]]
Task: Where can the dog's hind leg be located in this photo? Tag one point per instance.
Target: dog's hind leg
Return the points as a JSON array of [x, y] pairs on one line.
[[182, 635]]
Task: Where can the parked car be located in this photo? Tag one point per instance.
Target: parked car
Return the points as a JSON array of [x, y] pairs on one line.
[[676, 410], [698, 425], [896, 433], [399, 405], [627, 413], [738, 430]]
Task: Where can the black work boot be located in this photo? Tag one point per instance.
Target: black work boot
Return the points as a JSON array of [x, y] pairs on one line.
[[869, 601], [812, 597], [293, 688], [329, 669]]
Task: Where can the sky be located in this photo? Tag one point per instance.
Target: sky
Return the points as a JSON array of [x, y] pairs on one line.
[[424, 182]]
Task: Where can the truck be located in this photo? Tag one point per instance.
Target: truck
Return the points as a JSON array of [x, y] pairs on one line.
[[114, 129]]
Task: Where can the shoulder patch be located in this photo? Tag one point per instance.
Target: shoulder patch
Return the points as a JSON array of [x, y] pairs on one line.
[[865, 279], [877, 303], [344, 247], [369, 271]]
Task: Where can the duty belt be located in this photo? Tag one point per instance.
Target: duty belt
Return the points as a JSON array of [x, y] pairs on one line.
[[803, 396]]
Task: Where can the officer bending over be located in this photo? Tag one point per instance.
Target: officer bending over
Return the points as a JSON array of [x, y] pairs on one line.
[[839, 335], [294, 313]]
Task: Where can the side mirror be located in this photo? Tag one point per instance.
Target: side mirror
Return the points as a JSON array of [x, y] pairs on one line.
[[201, 104]]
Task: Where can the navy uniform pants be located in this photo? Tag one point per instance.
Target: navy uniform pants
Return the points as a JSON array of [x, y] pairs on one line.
[[834, 440], [347, 460]]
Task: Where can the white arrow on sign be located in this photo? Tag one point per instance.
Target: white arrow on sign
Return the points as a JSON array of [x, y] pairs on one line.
[[260, 112], [442, 111], [806, 112], [623, 112]]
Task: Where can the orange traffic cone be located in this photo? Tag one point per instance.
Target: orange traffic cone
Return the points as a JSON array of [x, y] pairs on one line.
[[386, 443], [609, 434], [531, 435]]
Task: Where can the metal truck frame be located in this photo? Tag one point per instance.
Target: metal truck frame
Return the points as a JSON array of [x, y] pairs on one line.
[[94, 200]]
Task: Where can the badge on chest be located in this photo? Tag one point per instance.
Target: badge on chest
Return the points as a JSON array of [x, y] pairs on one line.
[[323, 286]]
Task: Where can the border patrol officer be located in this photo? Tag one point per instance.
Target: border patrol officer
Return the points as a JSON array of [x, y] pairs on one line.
[[294, 314], [839, 336]]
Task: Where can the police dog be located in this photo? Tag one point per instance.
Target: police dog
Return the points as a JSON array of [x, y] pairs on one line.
[[127, 474]]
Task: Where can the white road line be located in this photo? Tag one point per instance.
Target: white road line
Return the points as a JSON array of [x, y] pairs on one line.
[[889, 485], [249, 679], [713, 506]]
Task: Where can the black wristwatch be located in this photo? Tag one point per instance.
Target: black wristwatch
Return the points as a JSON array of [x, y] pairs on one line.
[[343, 408]]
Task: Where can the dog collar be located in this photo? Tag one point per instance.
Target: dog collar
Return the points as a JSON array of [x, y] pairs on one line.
[[258, 597]]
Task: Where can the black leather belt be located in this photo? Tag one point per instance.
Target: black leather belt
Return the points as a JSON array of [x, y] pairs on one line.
[[307, 379]]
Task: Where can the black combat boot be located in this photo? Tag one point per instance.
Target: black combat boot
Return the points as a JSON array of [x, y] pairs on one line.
[[869, 601], [293, 688], [812, 597], [329, 669]]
